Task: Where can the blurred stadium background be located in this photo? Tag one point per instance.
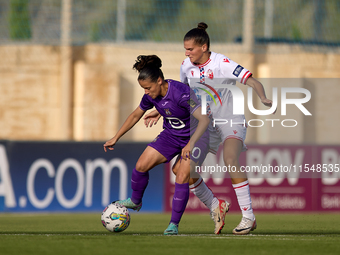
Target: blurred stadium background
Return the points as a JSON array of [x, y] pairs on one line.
[[67, 85], [76, 57]]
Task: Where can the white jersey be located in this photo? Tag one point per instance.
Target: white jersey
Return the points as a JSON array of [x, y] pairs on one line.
[[217, 70]]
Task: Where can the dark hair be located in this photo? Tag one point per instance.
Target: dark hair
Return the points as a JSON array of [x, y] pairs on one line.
[[199, 35], [149, 67]]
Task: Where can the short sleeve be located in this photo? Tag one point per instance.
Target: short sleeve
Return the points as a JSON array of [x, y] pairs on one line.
[[191, 102], [232, 70], [183, 75], [146, 103]]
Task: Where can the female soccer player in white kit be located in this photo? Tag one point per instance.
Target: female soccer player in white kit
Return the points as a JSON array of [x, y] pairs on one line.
[[206, 67]]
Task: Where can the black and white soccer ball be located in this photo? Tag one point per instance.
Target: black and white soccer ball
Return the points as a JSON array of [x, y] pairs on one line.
[[115, 217]]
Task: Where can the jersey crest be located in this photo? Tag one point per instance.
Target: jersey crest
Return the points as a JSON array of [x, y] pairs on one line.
[[210, 74], [167, 111]]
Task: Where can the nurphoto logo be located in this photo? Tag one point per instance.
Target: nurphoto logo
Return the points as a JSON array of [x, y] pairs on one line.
[[238, 104]]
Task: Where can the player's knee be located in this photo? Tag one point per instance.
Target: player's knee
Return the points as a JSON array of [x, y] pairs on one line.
[[141, 166], [230, 161], [182, 177], [175, 169]]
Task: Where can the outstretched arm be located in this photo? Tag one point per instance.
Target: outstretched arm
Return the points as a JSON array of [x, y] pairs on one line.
[[258, 87], [133, 118]]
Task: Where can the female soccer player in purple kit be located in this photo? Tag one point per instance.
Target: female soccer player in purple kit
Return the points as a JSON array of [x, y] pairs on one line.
[[176, 102]]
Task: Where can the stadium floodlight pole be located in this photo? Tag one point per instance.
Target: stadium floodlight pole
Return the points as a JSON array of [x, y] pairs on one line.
[[66, 70], [248, 26], [248, 48], [121, 17], [248, 33], [268, 18], [319, 15]]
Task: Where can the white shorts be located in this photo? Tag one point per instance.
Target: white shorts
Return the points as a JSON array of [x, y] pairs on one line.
[[220, 133]]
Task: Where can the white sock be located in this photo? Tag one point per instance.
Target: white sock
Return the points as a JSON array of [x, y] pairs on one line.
[[244, 200], [201, 190]]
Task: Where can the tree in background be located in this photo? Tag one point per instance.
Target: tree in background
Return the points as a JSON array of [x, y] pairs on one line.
[[19, 20]]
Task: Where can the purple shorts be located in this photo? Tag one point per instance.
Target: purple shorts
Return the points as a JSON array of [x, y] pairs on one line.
[[169, 146], [201, 149]]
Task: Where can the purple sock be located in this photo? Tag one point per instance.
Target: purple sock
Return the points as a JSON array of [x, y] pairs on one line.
[[139, 182], [179, 202]]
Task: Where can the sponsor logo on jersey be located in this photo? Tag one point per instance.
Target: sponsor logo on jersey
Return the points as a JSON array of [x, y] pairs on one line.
[[165, 103], [238, 70], [235, 132], [167, 111], [192, 73], [226, 60], [183, 62], [210, 74], [192, 103]]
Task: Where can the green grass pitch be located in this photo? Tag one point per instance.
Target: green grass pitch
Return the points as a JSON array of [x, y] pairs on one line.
[[82, 233]]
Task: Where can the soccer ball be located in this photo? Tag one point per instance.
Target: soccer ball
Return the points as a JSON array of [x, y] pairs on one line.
[[115, 218]]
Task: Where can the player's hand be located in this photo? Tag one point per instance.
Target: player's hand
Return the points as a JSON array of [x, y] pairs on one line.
[[268, 102], [109, 144], [151, 118], [186, 152]]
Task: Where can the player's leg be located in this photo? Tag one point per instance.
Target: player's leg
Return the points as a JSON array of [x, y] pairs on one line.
[[198, 186], [181, 196], [232, 149], [218, 208], [196, 183], [140, 177]]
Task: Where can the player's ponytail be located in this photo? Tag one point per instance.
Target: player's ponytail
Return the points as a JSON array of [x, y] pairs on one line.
[[149, 67], [199, 35]]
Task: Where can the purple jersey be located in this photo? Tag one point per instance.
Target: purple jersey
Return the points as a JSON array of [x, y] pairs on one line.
[[176, 107]]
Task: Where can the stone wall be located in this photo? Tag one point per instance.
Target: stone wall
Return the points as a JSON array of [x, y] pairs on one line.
[[105, 90]]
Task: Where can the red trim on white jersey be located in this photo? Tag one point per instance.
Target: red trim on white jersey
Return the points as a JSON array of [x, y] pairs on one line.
[[233, 137], [245, 77], [213, 151], [202, 65], [237, 138]]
